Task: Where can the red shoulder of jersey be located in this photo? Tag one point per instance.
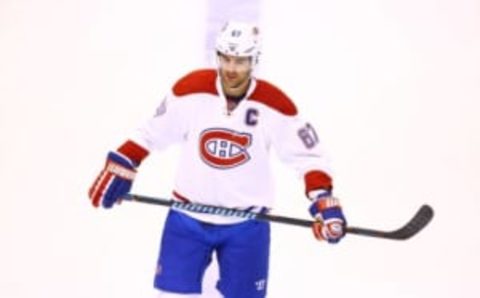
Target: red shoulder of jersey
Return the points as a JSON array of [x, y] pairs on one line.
[[198, 81], [273, 97]]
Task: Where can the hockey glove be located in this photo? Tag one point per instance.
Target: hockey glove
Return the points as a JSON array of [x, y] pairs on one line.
[[114, 181], [330, 222]]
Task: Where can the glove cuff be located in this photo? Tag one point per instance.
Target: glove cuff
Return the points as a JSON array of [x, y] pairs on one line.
[[120, 165], [120, 171], [323, 206], [317, 194]]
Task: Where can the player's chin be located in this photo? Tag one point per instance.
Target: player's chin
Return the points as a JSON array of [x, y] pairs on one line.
[[233, 84]]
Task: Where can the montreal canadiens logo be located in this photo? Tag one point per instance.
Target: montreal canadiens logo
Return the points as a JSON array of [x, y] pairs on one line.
[[224, 148]]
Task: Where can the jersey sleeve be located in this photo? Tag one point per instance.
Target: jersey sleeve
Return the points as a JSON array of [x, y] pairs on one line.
[[298, 145], [167, 126]]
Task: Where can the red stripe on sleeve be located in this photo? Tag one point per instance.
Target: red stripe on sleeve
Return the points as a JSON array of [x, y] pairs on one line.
[[317, 180], [135, 152]]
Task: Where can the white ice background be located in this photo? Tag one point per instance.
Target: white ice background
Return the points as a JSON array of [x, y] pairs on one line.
[[393, 88]]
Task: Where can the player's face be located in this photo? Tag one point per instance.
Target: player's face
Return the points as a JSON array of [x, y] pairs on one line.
[[234, 72]]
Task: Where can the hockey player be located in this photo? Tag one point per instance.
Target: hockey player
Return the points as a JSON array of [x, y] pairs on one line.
[[226, 121]]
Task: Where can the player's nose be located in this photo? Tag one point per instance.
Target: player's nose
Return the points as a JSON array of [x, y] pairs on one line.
[[229, 66]]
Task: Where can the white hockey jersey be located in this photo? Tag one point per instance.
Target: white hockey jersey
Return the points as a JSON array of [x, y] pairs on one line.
[[224, 157]]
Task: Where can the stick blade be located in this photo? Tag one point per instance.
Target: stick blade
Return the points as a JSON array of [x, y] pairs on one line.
[[423, 216]]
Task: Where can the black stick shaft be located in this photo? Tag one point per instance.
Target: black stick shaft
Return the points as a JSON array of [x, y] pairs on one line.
[[420, 220]]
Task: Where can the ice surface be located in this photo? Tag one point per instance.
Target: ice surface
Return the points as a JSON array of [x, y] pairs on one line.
[[391, 86]]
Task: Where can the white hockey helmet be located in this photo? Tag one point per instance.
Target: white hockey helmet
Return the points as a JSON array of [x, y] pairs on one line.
[[239, 39]]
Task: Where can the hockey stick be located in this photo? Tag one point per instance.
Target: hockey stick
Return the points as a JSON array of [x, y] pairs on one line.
[[415, 225]]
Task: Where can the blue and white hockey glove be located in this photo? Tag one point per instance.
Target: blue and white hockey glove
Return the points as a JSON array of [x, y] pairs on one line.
[[329, 222], [116, 178]]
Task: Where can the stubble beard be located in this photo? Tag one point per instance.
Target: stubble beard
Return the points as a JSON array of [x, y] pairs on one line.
[[236, 85]]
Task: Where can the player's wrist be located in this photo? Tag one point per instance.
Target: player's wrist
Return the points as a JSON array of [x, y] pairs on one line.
[[326, 207], [317, 194]]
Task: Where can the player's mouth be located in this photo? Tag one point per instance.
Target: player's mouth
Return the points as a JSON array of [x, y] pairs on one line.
[[231, 76]]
